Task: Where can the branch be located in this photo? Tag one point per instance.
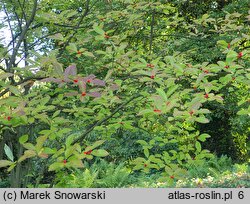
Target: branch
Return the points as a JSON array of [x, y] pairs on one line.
[[22, 36], [23, 12], [105, 119], [20, 82], [11, 30], [76, 28]]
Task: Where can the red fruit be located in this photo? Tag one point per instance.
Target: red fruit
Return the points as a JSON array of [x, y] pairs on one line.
[[89, 80], [172, 177], [75, 80], [152, 76], [227, 66], [228, 46], [157, 110], [150, 65], [79, 52], [88, 152], [240, 54], [8, 118], [106, 36], [206, 71], [191, 112], [64, 161], [83, 94], [145, 165], [206, 95]]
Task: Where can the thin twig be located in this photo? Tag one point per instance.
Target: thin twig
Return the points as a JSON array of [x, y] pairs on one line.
[[79, 139]]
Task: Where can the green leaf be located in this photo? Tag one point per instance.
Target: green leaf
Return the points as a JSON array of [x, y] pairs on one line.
[[8, 152], [14, 90], [88, 54], [5, 75], [146, 152], [23, 139], [169, 170], [100, 153], [12, 166], [155, 160], [145, 112], [56, 113], [56, 166], [243, 112], [29, 146], [142, 142], [97, 144], [27, 154], [203, 137], [4, 163], [171, 90], [231, 56], [57, 36], [162, 93], [72, 47], [98, 29], [69, 140], [76, 163], [222, 43], [40, 141], [198, 146], [48, 150], [202, 120]]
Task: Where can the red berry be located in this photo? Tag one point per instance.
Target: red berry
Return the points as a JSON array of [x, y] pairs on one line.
[[89, 80], [75, 80], [240, 54], [157, 110], [88, 152], [64, 161], [150, 65], [106, 36], [172, 177], [228, 46], [83, 94], [79, 52], [206, 71], [191, 112], [8, 118], [145, 165], [152, 76], [227, 66], [206, 95]]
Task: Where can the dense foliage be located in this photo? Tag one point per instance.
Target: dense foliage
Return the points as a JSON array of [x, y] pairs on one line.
[[124, 93]]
